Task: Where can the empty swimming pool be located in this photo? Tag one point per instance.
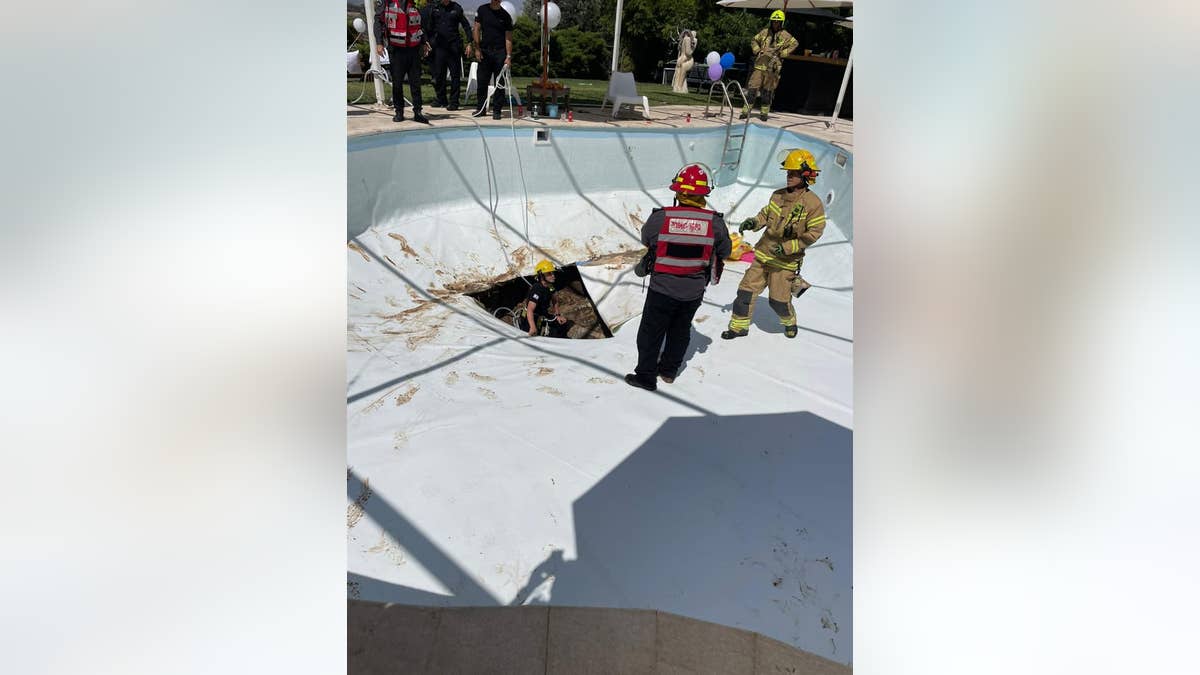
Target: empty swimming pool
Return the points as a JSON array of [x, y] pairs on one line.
[[488, 468]]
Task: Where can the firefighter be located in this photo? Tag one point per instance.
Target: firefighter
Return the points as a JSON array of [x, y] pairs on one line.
[[400, 22], [770, 46], [794, 219], [687, 242], [540, 307]]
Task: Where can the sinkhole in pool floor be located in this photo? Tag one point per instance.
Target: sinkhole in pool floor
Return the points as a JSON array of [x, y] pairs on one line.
[[505, 299]]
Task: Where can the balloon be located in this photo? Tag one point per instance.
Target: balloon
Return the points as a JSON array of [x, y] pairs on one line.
[[508, 7], [554, 14], [712, 58], [714, 71], [360, 25], [726, 60]]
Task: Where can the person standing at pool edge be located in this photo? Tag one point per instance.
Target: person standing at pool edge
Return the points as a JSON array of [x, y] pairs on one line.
[[770, 46], [689, 243], [400, 21], [493, 51], [445, 17], [794, 218]]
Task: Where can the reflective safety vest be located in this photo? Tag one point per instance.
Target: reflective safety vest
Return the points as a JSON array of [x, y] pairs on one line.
[[685, 241], [404, 26]]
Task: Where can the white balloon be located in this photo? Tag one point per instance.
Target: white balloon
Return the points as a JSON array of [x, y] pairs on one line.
[[712, 58], [553, 12], [360, 25], [508, 7]]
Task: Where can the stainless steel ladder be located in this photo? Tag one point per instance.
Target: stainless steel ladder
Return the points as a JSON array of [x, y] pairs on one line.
[[731, 151]]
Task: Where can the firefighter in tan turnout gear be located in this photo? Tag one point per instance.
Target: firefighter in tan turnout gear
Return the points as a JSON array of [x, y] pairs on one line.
[[769, 47], [794, 219]]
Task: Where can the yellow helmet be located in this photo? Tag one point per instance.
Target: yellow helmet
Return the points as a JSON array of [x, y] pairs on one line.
[[544, 267], [777, 15], [796, 159]]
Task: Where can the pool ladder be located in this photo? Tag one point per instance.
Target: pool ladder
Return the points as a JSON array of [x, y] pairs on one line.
[[731, 152]]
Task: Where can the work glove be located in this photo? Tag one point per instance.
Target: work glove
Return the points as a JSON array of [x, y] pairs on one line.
[[747, 224], [777, 250], [789, 232]]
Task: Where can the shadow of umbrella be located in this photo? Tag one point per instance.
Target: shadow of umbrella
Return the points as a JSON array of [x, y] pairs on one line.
[[739, 520]]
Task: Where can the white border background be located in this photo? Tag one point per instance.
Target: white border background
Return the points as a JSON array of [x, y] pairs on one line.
[[173, 267]]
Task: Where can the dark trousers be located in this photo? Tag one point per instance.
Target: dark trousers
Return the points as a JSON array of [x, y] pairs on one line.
[[490, 63], [406, 62], [663, 316], [447, 58]]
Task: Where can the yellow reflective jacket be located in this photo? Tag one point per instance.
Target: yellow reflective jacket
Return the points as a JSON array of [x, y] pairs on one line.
[[794, 221], [769, 49]]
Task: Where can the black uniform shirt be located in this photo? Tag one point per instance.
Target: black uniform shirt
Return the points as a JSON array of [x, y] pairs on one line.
[[444, 21], [493, 23], [539, 294]]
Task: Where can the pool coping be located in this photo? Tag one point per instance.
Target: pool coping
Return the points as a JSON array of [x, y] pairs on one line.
[[366, 120]]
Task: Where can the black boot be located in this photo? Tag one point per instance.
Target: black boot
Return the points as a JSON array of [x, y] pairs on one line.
[[790, 331], [633, 381], [731, 334], [418, 117], [399, 116]]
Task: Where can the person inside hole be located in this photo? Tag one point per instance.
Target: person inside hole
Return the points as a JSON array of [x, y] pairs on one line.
[[541, 307]]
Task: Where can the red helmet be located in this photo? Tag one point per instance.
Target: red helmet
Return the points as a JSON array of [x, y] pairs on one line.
[[691, 180]]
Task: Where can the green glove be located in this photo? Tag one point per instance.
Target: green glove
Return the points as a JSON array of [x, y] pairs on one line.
[[777, 250], [747, 224]]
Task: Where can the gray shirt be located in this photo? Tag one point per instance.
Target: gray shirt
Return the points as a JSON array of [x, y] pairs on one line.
[[691, 286]]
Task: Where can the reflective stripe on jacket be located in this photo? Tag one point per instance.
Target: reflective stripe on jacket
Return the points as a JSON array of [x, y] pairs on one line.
[[685, 241], [793, 220], [403, 25]]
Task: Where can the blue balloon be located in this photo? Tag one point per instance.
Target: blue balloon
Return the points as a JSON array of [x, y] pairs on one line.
[[727, 60]]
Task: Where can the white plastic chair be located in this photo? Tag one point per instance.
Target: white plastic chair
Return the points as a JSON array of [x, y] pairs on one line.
[[622, 90]]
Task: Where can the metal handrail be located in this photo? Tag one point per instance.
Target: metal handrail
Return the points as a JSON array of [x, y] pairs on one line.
[[727, 100]]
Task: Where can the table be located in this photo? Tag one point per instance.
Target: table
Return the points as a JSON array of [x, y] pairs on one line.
[[535, 90]]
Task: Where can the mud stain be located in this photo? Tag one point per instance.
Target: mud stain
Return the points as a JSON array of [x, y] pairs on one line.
[[550, 390], [702, 319], [452, 377], [355, 247], [542, 372], [408, 251], [386, 546], [407, 396], [355, 511], [488, 393], [481, 378], [601, 380], [399, 440]]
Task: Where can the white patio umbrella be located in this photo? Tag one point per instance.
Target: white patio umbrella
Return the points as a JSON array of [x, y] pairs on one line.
[[791, 4]]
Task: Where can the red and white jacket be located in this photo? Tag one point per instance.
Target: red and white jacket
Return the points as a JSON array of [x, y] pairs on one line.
[[685, 241], [403, 25]]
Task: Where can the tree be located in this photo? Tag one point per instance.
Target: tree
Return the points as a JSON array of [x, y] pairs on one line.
[[649, 29]]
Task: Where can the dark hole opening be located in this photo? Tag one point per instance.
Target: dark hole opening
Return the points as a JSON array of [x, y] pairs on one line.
[[571, 294]]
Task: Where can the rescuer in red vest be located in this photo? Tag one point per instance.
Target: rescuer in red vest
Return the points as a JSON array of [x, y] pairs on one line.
[[399, 27], [687, 243]]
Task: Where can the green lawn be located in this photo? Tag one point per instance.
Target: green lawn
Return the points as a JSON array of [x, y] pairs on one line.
[[583, 92]]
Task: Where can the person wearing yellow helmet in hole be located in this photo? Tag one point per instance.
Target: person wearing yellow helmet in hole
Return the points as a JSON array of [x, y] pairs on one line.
[[540, 307], [770, 46], [794, 219]]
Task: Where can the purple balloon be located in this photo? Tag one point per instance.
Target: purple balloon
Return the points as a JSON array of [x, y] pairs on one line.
[[714, 72]]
